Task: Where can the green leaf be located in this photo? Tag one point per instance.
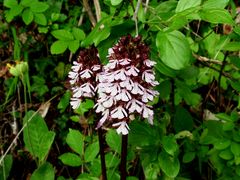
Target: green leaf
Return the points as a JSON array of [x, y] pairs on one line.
[[58, 47], [64, 101], [217, 16], [73, 45], [222, 144], [39, 7], [40, 19], [116, 2], [226, 154], [27, 16], [170, 165], [113, 140], [91, 152], [182, 120], [62, 34], [170, 145], [78, 34], [45, 171], [10, 3], [235, 148], [85, 106], [14, 11], [213, 4], [70, 159], [37, 138], [112, 160], [174, 49], [75, 140], [188, 157], [5, 166], [186, 4], [232, 46], [27, 3]]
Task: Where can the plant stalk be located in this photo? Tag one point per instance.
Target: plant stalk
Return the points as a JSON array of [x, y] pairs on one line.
[[124, 157], [102, 155]]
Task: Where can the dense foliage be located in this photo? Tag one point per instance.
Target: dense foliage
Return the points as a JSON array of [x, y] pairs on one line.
[[195, 132]]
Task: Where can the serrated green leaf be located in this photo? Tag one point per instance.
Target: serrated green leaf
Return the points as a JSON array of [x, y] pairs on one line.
[[39, 7], [27, 16], [70, 159], [170, 165], [75, 140], [78, 34], [217, 16], [62, 34], [40, 19], [45, 171], [58, 47], [186, 4], [73, 45], [174, 49], [91, 152], [113, 140]]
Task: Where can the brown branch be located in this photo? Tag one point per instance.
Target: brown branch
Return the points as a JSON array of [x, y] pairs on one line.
[[89, 12], [98, 9], [205, 59]]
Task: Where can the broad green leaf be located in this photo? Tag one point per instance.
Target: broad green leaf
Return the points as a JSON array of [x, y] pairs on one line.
[[182, 120], [170, 145], [188, 157], [226, 154], [232, 46], [36, 136], [39, 7], [10, 3], [213, 4], [45, 171], [85, 106], [174, 49], [91, 152], [27, 16], [235, 148], [151, 170], [40, 19], [170, 165], [64, 101], [70, 159], [14, 11], [112, 160], [6, 166], [113, 140], [75, 140], [20, 69], [116, 2], [217, 16], [62, 34], [58, 47], [186, 4], [73, 45], [222, 144], [27, 3], [78, 33]]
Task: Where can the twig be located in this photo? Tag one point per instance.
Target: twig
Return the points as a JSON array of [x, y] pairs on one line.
[[135, 15], [98, 9], [124, 157], [205, 59], [146, 6], [89, 12], [101, 146]]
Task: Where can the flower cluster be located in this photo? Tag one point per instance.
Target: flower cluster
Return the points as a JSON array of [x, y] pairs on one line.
[[83, 76], [125, 85]]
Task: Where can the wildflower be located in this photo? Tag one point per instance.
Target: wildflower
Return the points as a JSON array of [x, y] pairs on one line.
[[83, 76], [125, 85]]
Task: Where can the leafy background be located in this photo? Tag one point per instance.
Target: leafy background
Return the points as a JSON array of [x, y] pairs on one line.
[[196, 125]]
